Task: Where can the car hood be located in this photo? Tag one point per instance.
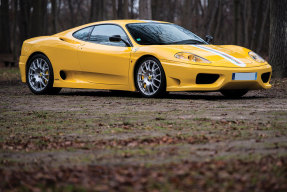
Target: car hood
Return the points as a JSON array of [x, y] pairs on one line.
[[218, 55]]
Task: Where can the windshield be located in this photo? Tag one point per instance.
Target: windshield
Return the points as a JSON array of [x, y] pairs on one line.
[[162, 34]]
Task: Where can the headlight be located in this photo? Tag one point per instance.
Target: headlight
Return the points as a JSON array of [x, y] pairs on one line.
[[256, 57], [191, 57]]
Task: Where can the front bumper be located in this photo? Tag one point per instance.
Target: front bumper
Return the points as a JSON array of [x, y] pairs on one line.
[[182, 77], [22, 67]]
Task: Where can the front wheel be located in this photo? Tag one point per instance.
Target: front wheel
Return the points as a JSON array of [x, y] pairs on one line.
[[40, 76], [150, 78], [236, 93]]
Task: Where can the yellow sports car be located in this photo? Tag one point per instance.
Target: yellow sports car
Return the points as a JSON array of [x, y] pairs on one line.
[[150, 57]]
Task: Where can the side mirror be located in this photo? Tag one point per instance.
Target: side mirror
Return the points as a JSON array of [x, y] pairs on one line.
[[208, 38], [115, 38]]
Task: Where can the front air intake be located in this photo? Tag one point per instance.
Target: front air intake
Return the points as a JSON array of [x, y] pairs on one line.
[[204, 78], [265, 77]]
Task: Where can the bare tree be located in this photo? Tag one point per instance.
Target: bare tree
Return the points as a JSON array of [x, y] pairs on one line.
[[97, 10], [123, 9], [257, 21], [132, 6], [24, 20], [114, 9], [262, 32], [249, 19], [236, 4], [54, 15], [71, 9], [278, 37], [156, 9], [126, 9], [218, 27], [145, 9], [38, 18], [120, 9], [14, 30], [186, 15], [5, 27], [213, 6]]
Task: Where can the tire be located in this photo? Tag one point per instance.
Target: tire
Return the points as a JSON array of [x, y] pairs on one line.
[[150, 78], [236, 93], [40, 75]]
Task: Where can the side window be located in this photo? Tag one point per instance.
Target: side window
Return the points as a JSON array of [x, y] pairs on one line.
[[101, 34], [83, 34]]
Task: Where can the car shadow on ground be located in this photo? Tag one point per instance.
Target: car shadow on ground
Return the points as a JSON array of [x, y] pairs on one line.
[[173, 95]]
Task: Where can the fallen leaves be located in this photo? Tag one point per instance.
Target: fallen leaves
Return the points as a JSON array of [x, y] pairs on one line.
[[266, 174], [48, 142]]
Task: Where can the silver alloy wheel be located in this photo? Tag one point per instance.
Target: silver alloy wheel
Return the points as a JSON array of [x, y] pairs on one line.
[[38, 74], [149, 77]]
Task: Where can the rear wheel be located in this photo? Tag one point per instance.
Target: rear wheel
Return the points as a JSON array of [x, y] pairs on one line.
[[236, 93], [40, 76], [150, 78]]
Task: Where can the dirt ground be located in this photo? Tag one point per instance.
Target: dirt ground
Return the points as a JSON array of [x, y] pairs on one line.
[[91, 140]]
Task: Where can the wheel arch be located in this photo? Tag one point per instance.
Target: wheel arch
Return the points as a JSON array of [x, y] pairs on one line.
[[138, 61], [32, 55], [141, 59], [50, 89]]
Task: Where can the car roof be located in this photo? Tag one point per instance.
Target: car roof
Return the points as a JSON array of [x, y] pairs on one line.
[[127, 21], [119, 22]]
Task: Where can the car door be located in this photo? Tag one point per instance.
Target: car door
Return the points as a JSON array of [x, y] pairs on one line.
[[106, 62], [67, 50]]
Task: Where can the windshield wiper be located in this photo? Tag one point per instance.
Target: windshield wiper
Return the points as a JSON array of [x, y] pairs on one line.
[[188, 41]]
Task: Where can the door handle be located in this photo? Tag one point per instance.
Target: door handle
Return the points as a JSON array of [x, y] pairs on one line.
[[81, 46]]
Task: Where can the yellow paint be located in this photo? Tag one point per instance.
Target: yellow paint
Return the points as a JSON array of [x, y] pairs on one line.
[[95, 66]]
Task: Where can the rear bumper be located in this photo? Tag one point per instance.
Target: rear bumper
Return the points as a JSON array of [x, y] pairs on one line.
[[182, 77]]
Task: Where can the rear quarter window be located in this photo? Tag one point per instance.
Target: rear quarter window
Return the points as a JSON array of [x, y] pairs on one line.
[[83, 34]]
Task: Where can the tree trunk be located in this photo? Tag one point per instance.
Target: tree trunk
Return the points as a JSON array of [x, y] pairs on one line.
[[169, 7], [145, 9], [211, 24], [71, 10], [186, 18], [156, 13], [5, 27], [38, 18], [14, 30], [97, 10], [132, 16], [241, 34], [236, 4], [114, 9], [196, 14], [120, 9], [259, 11], [126, 9], [262, 31], [278, 38], [218, 22], [24, 25], [54, 16], [247, 22]]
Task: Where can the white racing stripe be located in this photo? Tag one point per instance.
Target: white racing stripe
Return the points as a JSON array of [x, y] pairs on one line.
[[230, 58]]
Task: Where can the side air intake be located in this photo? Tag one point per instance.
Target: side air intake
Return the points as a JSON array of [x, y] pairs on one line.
[[63, 75]]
